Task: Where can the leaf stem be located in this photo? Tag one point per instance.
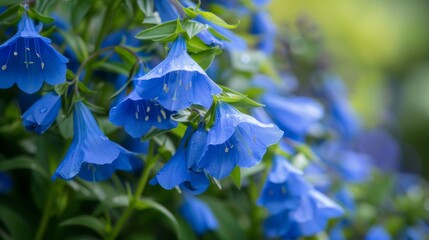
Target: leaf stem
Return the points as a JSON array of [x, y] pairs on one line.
[[150, 162]]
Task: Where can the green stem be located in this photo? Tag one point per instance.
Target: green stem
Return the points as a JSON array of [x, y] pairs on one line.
[[105, 26], [150, 162], [46, 212]]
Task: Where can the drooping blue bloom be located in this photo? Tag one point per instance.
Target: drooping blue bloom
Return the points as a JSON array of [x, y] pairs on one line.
[[166, 10], [178, 81], [40, 116], [293, 115], [236, 139], [342, 117], [309, 218], [377, 233], [198, 214], [138, 115], [28, 59], [284, 187], [91, 156], [5, 183], [179, 170], [263, 26], [345, 197]]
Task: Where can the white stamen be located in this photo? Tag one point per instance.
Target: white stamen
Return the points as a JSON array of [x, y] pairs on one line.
[[164, 115], [4, 67], [43, 65], [146, 118], [148, 109]]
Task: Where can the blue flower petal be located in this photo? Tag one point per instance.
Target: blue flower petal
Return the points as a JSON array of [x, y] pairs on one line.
[[178, 81], [40, 116], [198, 215]]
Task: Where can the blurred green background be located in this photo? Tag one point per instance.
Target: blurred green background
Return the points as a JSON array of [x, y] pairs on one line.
[[381, 49]]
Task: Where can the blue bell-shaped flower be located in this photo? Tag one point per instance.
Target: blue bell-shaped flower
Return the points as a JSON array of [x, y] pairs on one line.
[[284, 187], [236, 139], [377, 233], [179, 172], [293, 115], [138, 115], [198, 214], [91, 156], [178, 81], [40, 116], [28, 59]]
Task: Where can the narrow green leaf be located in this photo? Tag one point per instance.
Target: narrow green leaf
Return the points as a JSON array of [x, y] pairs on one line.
[[22, 162], [60, 89], [41, 17], [119, 201], [205, 58], [196, 45], [77, 44], [236, 177], [192, 28], [84, 88], [145, 203], [217, 20], [65, 124], [93, 107], [125, 55], [146, 6], [236, 98], [158, 32], [190, 12], [9, 2], [88, 221], [10, 15]]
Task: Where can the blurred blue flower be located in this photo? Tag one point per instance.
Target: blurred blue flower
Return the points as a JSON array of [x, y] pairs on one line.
[[293, 115], [138, 115], [91, 156], [179, 172], [345, 197], [40, 116], [341, 114], [377, 233], [178, 81], [5, 183], [166, 10], [263, 26], [236, 139], [309, 218], [198, 214], [284, 187], [28, 59]]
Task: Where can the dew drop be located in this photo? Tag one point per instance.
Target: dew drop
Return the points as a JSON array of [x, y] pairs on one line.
[[226, 149], [43, 109], [160, 70], [15, 53]]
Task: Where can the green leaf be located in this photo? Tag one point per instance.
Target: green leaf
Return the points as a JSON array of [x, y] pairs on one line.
[[236, 177], [15, 223], [82, 87], [146, 6], [22, 162], [119, 68], [9, 2], [88, 221], [125, 55], [192, 28], [190, 12], [205, 58], [160, 32], [196, 45], [60, 89], [11, 14], [145, 203], [94, 108], [217, 20], [236, 98], [41, 17]]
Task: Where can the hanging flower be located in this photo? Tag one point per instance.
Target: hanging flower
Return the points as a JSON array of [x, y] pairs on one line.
[[198, 214], [293, 115], [377, 233], [236, 139], [40, 116], [284, 187], [138, 115], [309, 218], [178, 81], [180, 170], [28, 59], [91, 156]]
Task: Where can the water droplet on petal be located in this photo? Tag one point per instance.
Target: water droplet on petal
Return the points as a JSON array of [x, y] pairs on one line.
[[160, 70], [15, 53], [43, 109]]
